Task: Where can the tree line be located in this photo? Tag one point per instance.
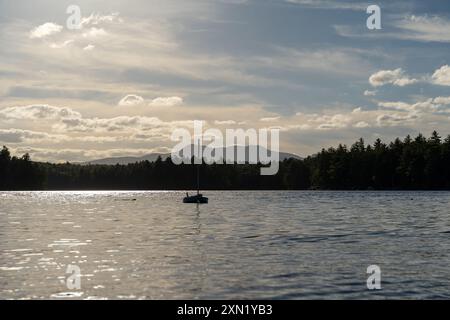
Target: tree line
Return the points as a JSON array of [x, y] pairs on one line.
[[20, 173], [411, 163]]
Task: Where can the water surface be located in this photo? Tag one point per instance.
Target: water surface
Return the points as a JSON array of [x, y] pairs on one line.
[[249, 245]]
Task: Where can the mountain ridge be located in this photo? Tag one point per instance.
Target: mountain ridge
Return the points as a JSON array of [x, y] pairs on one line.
[[151, 157]]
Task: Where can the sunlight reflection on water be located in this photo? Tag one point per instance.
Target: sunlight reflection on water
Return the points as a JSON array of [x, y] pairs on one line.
[[281, 245]]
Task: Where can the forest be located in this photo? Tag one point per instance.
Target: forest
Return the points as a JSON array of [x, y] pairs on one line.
[[418, 163]]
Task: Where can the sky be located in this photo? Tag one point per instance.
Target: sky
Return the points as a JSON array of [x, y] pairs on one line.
[[137, 70]]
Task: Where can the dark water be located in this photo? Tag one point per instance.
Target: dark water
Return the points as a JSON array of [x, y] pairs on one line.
[[252, 245]]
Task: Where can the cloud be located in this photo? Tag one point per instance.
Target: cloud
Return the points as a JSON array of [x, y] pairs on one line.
[[370, 93], [412, 28], [424, 28], [269, 119], [386, 120], [395, 77], [68, 120], [79, 155], [398, 77], [224, 122], [442, 100], [94, 33], [157, 54], [304, 126], [61, 45], [29, 136], [331, 5], [138, 132], [131, 100], [19, 135], [438, 105], [116, 124], [166, 102], [323, 121], [45, 30], [38, 112], [342, 61], [442, 76], [361, 124], [139, 51], [59, 127], [97, 18], [89, 47], [397, 105], [337, 121], [389, 114]]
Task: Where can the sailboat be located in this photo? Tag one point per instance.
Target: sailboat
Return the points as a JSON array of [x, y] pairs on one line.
[[198, 198]]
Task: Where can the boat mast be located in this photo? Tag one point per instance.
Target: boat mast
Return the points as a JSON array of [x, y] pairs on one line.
[[198, 179]]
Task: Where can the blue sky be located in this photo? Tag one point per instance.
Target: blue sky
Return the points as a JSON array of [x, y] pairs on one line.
[[139, 69]]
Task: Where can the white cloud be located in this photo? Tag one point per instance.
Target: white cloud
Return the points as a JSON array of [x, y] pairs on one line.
[[135, 54], [331, 5], [131, 100], [361, 124], [19, 135], [413, 28], [337, 121], [396, 77], [14, 136], [116, 124], [370, 93], [166, 102], [389, 120], [304, 126], [37, 112], [45, 30], [68, 120], [346, 61], [224, 122], [426, 106], [97, 18], [397, 105], [442, 76], [61, 45], [404, 82], [89, 47], [269, 119], [70, 128], [442, 100], [389, 114], [94, 33], [424, 28], [78, 155]]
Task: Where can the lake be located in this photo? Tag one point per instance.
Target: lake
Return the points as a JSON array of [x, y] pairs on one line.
[[242, 245]]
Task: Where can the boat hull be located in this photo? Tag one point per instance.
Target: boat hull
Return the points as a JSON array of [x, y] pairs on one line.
[[195, 199]]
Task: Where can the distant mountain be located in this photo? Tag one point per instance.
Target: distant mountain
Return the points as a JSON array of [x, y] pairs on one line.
[[153, 156], [126, 160]]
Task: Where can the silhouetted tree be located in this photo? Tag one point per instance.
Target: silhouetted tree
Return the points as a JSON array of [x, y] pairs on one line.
[[417, 163]]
